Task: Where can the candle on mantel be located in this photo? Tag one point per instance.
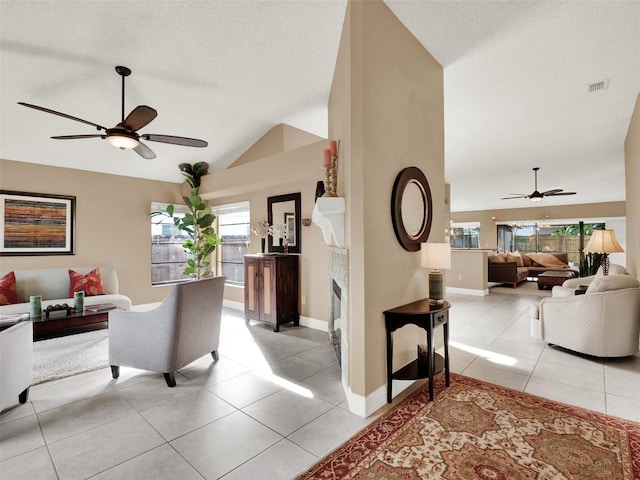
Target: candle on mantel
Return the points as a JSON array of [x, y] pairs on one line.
[[327, 157], [333, 146]]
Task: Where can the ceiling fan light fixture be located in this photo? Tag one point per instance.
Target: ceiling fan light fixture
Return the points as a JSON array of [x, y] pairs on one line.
[[536, 196], [123, 141]]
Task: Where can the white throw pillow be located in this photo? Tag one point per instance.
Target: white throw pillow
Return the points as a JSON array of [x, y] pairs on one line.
[[612, 282]]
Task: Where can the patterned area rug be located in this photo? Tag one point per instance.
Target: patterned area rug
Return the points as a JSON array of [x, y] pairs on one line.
[[65, 356], [478, 431]]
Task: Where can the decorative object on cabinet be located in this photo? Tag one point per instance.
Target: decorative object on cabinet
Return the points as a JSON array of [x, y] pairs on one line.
[[603, 242], [277, 207], [261, 229], [306, 222], [49, 228], [411, 208], [271, 289], [436, 256]]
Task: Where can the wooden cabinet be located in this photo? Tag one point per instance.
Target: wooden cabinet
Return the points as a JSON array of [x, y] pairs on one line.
[[271, 289]]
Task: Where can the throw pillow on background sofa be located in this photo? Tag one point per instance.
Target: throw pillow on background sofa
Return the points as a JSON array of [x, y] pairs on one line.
[[547, 260], [515, 257], [90, 284], [8, 289]]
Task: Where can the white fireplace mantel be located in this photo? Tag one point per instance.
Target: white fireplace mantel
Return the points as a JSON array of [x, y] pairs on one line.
[[328, 214]]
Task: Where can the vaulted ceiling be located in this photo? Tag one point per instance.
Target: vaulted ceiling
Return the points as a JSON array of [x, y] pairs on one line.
[[516, 78]]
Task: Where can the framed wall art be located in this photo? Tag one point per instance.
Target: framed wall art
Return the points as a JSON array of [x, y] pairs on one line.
[[36, 224], [290, 223]]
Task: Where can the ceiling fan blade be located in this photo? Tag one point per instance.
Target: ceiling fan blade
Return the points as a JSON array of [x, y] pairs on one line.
[[75, 137], [552, 192], [184, 141], [519, 196], [64, 115], [144, 151], [558, 194], [139, 117]]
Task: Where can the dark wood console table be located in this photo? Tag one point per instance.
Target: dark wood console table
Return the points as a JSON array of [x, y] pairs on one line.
[[425, 316]]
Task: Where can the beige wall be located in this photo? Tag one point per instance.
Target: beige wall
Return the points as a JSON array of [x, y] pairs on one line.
[[468, 271], [269, 174], [632, 179], [112, 222], [386, 108], [488, 230]]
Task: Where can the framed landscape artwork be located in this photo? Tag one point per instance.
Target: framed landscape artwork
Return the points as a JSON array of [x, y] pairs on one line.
[[36, 224]]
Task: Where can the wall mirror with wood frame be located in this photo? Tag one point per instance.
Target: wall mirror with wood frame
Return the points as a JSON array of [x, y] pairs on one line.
[[285, 210], [411, 208]]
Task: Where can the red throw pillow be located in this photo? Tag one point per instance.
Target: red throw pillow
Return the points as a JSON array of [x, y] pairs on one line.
[[90, 284], [8, 291]]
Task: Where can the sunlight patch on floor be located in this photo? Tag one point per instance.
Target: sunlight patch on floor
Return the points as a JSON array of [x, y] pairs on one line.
[[490, 356]]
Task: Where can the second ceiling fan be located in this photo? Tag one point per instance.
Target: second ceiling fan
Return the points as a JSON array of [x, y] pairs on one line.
[[536, 196], [125, 134]]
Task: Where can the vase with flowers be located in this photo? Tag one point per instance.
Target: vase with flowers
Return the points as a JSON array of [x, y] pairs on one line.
[[279, 232], [261, 229]]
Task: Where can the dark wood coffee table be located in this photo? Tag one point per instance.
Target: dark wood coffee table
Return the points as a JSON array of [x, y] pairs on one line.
[[552, 278], [60, 321]]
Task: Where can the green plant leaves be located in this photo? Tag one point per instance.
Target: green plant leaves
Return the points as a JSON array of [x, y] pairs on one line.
[[198, 223]]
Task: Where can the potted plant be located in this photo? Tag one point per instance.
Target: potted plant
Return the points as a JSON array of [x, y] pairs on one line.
[[197, 224]]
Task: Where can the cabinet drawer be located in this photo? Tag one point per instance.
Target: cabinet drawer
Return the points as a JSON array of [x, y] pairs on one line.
[[440, 318]]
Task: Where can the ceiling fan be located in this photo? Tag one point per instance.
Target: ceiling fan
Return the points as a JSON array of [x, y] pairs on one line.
[[536, 196], [125, 134]]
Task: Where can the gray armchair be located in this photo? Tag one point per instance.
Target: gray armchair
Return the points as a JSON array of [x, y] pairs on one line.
[[16, 363], [182, 329]]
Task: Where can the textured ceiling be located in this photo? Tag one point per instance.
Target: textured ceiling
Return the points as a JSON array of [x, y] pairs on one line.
[[516, 76]]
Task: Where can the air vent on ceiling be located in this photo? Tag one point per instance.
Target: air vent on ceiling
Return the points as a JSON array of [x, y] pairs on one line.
[[598, 86]]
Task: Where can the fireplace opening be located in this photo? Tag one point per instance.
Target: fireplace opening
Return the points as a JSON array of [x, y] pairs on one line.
[[335, 328]]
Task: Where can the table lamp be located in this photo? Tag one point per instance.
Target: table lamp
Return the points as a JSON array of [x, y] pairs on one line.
[[604, 242], [435, 256]]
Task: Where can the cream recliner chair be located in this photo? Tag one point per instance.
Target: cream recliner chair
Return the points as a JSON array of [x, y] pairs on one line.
[[16, 363], [604, 322], [185, 327]]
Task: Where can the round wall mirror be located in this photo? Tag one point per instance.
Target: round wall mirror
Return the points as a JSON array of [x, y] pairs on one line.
[[411, 208]]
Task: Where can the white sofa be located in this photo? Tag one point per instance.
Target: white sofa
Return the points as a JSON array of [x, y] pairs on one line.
[[16, 364], [53, 285], [603, 322]]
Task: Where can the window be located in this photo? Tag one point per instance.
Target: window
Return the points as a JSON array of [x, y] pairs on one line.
[[465, 235], [561, 238], [168, 257], [234, 229]]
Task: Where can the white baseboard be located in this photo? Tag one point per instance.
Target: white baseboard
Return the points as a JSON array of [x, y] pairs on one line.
[[314, 323], [304, 321], [365, 406], [468, 291], [233, 305]]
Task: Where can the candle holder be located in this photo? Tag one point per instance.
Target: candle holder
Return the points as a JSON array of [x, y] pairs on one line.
[[331, 172]]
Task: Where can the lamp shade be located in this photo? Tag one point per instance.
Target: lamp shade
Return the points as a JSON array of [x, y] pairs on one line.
[[435, 255], [603, 241]]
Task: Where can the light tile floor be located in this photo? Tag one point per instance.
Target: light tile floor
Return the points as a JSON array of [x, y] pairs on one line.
[[274, 403]]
